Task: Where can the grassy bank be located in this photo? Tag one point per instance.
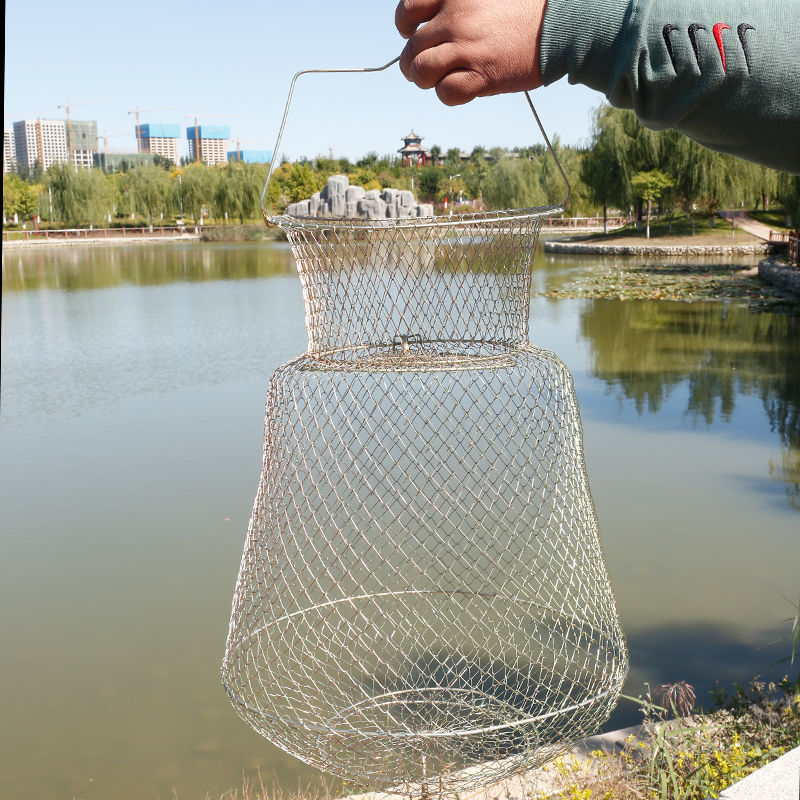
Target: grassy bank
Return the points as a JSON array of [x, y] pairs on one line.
[[679, 229], [675, 754]]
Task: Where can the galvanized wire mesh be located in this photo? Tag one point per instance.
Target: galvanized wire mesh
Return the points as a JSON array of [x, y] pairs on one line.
[[423, 601]]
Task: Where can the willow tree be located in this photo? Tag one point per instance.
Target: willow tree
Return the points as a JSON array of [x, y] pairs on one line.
[[514, 183], [81, 197], [606, 167]]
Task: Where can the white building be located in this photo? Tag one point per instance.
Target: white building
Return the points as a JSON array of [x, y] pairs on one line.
[[46, 141], [161, 139], [208, 143], [42, 140], [9, 152]]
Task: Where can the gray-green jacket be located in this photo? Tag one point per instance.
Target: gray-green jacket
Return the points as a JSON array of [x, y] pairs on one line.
[[725, 72]]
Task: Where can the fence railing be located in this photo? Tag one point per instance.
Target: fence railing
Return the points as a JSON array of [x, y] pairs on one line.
[[585, 222], [779, 238], [99, 233]]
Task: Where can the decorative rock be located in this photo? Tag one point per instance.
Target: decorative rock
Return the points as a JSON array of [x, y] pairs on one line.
[[298, 209], [354, 194], [337, 186], [372, 207], [339, 199], [337, 205]]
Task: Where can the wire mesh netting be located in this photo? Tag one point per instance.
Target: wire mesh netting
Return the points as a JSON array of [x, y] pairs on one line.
[[423, 601]]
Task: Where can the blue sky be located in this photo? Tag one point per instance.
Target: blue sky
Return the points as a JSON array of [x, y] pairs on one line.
[[231, 63]]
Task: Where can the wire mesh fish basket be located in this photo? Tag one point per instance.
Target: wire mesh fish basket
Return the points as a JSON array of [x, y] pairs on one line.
[[423, 602]]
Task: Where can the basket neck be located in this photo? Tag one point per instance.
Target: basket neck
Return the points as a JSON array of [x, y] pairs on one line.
[[447, 286]]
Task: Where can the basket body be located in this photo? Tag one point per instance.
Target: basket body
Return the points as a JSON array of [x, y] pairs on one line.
[[423, 600]]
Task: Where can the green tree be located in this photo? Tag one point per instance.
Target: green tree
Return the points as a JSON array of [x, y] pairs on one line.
[[199, 190], [514, 183], [651, 186], [301, 182], [429, 180], [605, 169], [19, 197], [81, 197], [452, 159], [148, 191]]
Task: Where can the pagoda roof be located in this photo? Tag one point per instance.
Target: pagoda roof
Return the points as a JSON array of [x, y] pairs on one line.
[[412, 148], [412, 135]]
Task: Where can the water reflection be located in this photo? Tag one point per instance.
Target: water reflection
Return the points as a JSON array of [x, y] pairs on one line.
[[104, 266], [131, 433], [645, 350]]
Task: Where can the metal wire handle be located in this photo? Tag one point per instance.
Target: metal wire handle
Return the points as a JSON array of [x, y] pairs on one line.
[[270, 219]]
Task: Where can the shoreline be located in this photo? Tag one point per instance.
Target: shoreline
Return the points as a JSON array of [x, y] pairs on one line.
[[35, 244], [606, 249]]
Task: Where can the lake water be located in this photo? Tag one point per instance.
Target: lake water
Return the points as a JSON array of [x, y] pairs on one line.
[[131, 425]]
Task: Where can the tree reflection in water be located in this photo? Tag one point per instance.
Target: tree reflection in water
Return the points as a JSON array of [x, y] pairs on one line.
[[643, 350]]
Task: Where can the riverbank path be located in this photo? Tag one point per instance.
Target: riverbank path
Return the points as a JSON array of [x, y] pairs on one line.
[[749, 224]]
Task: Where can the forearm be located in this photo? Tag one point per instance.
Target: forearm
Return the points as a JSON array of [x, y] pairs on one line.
[[725, 72]]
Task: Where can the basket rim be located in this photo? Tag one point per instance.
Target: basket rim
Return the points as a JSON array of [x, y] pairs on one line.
[[289, 222]]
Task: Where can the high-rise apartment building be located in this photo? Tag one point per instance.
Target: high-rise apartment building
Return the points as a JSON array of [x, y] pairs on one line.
[[82, 141], [40, 140], [9, 152], [48, 141], [161, 139], [208, 143]]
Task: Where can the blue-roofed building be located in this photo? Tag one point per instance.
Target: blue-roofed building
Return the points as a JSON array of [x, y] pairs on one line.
[[207, 143], [160, 138], [250, 156]]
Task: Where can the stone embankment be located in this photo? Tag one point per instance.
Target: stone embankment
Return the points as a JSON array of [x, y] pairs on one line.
[[339, 199], [599, 249], [779, 272]]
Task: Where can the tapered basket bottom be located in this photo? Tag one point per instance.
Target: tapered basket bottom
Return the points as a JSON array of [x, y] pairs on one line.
[[439, 712]]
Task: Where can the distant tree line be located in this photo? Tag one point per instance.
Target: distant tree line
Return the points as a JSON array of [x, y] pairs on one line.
[[624, 166]]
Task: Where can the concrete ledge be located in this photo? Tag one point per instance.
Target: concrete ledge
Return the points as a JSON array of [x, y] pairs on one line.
[[594, 248], [781, 273], [778, 780]]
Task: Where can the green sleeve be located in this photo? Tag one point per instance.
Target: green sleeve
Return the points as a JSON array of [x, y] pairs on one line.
[[725, 72]]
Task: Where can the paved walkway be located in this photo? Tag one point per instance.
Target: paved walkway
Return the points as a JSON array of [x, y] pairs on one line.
[[748, 224]]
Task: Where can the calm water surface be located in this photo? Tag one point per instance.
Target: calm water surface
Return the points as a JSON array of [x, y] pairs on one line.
[[133, 384]]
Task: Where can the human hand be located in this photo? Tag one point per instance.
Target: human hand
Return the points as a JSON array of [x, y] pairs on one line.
[[471, 48]]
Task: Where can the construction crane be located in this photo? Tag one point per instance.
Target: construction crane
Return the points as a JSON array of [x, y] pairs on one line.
[[68, 108], [107, 136], [197, 147], [197, 154], [239, 147], [139, 111]]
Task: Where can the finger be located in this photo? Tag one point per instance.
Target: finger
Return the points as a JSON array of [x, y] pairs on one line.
[[417, 50], [460, 86], [427, 68], [412, 13]]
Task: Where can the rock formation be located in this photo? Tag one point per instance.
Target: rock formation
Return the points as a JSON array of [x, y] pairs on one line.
[[339, 199]]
